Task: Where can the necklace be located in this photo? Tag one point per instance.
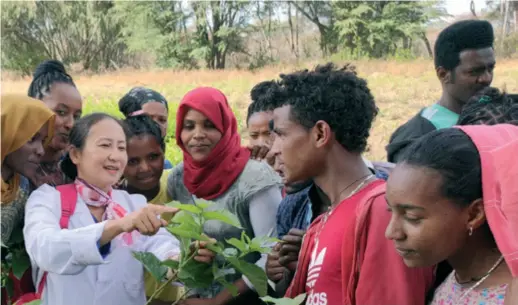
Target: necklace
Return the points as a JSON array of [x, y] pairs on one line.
[[498, 262], [331, 209]]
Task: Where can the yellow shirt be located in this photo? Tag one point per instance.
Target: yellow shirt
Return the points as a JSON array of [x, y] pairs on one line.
[[170, 293]]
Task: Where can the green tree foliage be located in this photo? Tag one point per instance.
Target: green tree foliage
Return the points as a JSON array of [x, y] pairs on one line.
[[70, 31], [380, 28]]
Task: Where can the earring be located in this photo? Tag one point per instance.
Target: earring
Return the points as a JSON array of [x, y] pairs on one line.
[[470, 232]]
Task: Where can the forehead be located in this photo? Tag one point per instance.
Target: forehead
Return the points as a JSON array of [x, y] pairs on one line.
[[107, 129], [195, 115], [66, 94], [259, 119], [155, 108], [282, 114], [414, 184], [142, 144], [476, 58]]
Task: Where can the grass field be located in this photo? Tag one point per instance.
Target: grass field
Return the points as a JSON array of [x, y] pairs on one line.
[[400, 89]]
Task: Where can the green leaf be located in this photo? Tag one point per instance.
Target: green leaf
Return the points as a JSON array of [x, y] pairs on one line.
[[171, 264], [195, 274], [233, 289], [285, 301], [223, 216], [185, 207], [152, 264], [232, 252], [203, 204], [262, 244], [221, 273], [20, 262], [187, 233], [241, 246], [254, 273]]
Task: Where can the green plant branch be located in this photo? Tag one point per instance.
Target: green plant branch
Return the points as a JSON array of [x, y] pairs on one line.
[[182, 297], [159, 290]]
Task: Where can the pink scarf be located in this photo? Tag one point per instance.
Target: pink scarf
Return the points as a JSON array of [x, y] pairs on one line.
[[498, 149], [94, 196]]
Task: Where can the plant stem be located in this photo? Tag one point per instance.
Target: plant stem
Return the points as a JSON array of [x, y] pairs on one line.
[[159, 290], [182, 297]]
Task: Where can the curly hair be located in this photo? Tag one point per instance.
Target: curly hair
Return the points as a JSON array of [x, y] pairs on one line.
[[335, 95], [143, 125], [265, 97], [46, 74], [489, 107]]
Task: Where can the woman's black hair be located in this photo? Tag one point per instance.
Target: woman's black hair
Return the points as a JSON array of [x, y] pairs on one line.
[[490, 107], [46, 74], [143, 125], [78, 136], [453, 155], [138, 96]]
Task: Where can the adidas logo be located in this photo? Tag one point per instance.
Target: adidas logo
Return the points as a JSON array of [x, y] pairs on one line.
[[315, 266]]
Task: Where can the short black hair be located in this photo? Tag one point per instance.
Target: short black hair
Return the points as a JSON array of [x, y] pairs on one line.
[[460, 36], [489, 107], [335, 95], [455, 157], [78, 136], [46, 74], [264, 96], [143, 125], [138, 96]]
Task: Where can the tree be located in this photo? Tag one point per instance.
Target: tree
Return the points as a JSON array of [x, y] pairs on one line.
[[379, 28], [321, 14], [69, 31]]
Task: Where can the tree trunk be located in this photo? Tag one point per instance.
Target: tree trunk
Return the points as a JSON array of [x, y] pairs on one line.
[[504, 24], [427, 44]]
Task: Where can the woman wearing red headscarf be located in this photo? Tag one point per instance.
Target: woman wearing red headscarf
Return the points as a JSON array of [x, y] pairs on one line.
[[217, 168]]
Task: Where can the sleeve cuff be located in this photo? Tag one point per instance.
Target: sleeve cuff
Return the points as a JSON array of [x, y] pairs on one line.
[[85, 250]]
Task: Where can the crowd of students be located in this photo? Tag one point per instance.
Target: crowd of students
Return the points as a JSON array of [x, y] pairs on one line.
[[437, 225]]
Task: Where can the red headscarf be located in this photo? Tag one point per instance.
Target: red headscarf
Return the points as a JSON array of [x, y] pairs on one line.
[[213, 176], [497, 146]]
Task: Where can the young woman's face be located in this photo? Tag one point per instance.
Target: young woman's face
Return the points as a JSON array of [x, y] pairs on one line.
[[145, 162], [426, 227], [199, 135], [66, 102], [158, 112], [103, 158], [259, 130], [26, 159]]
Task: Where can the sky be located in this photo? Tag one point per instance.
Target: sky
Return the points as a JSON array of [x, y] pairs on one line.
[[458, 7]]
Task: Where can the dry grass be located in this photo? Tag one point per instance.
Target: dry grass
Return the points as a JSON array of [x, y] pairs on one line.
[[400, 89]]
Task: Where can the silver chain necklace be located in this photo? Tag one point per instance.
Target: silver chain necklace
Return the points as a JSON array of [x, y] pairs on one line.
[[479, 281], [328, 213]]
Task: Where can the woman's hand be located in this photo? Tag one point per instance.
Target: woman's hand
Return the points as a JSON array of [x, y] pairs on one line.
[[146, 220], [203, 255]]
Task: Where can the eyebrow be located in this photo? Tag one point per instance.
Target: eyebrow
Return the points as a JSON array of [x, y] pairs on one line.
[[404, 206]]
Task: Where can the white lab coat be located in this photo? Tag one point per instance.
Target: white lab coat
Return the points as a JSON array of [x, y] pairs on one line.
[[77, 273]]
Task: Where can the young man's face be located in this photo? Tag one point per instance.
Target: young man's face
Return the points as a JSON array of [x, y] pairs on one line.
[[474, 73], [293, 147]]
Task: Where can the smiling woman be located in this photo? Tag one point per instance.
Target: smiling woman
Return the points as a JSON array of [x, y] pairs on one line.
[[52, 85], [218, 169], [91, 261]]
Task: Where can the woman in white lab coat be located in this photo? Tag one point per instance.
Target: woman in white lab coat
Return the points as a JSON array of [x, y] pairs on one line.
[[91, 262]]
